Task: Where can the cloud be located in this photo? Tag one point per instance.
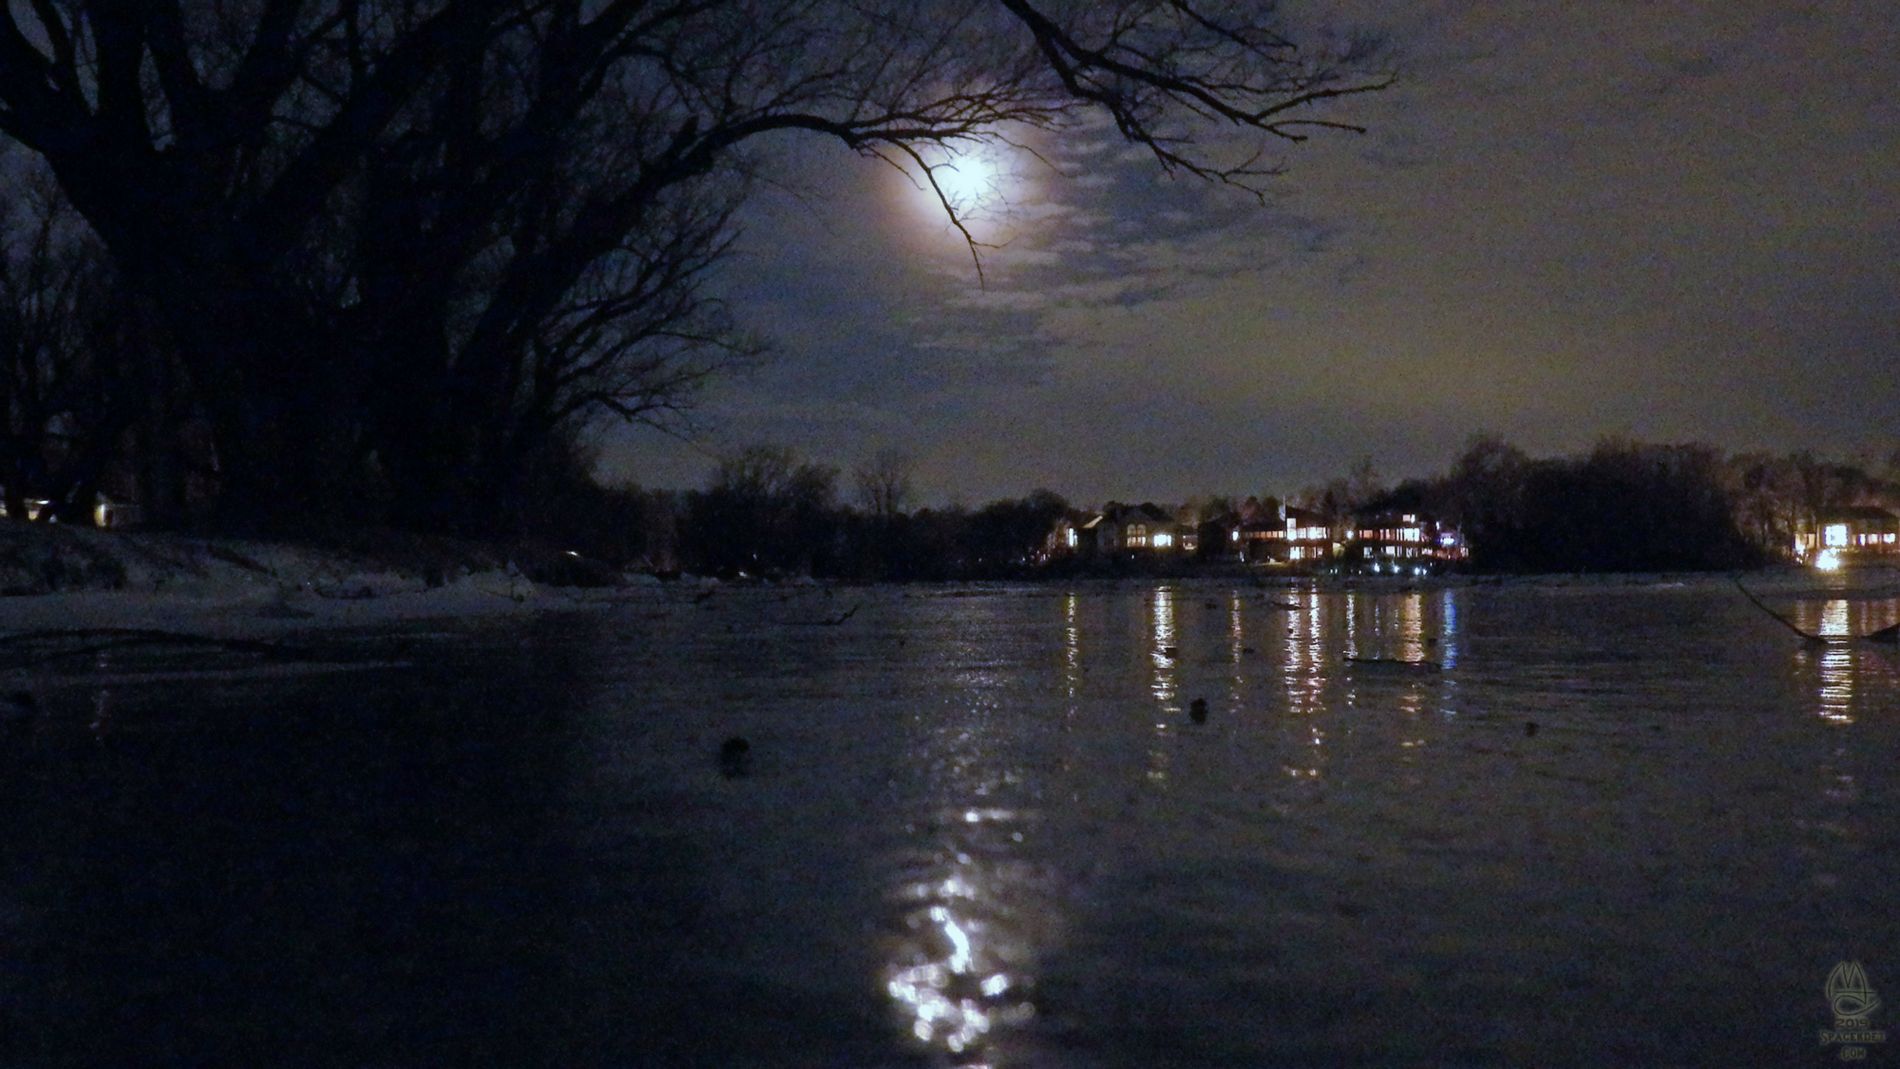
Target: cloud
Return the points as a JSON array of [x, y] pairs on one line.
[[1664, 220]]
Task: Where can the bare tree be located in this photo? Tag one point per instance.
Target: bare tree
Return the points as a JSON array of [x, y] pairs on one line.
[[764, 509], [67, 389], [369, 225], [884, 483]]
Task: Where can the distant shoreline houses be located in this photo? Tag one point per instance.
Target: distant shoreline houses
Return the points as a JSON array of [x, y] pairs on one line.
[[1838, 537], [1267, 536], [1378, 542], [105, 511]]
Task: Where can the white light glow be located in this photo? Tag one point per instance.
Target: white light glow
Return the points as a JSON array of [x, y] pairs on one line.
[[1163, 540], [1835, 535], [1828, 560], [968, 180], [977, 181]]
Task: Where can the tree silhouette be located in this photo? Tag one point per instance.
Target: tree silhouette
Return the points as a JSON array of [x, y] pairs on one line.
[[403, 239]]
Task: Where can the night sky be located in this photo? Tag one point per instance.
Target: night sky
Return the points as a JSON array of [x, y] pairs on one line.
[[1665, 221]]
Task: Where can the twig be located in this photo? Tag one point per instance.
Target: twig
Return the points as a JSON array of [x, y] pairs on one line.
[[1394, 662], [1808, 637], [123, 637], [833, 621]]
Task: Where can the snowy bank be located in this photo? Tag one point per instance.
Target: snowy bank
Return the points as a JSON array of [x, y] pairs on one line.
[[74, 578]]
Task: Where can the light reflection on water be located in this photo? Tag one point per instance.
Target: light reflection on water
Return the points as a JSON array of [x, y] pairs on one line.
[[1161, 619], [984, 831], [1839, 672], [1450, 640], [973, 909], [1165, 656], [1837, 684], [1304, 658], [960, 972], [1236, 651], [1071, 650]]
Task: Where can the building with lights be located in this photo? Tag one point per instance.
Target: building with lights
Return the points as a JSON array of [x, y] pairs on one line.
[[1118, 528], [1291, 537], [1312, 538], [1403, 542], [1852, 535], [1260, 541], [105, 511]]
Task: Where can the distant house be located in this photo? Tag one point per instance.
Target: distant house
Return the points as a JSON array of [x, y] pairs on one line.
[[1217, 536], [1309, 537], [1187, 530], [1142, 528], [106, 512], [110, 513], [1848, 535], [1402, 541], [1262, 540], [1119, 528], [1065, 539]]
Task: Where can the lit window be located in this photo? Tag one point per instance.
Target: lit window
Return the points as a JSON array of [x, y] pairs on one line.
[[1163, 540], [1835, 535], [1069, 536]]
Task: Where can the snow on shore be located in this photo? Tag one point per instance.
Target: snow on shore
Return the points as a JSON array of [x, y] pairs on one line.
[[67, 579]]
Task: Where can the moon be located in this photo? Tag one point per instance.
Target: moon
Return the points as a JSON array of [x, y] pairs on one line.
[[975, 181], [969, 181]]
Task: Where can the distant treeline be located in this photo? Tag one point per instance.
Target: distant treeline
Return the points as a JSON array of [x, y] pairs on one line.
[[767, 512], [1622, 506], [1625, 505]]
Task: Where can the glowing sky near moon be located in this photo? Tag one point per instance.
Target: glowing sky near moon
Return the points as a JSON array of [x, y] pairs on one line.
[[1672, 222]]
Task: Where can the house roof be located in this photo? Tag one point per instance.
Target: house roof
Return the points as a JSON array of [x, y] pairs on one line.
[[1147, 512]]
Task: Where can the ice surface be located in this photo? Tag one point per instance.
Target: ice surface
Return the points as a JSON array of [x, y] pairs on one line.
[[979, 827]]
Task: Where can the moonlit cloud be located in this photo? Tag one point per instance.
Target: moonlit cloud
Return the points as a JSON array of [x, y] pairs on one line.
[[1664, 221]]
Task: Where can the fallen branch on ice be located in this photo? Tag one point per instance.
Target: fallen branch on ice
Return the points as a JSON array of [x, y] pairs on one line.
[[1809, 637], [106, 639], [1889, 634], [833, 621], [1395, 662]]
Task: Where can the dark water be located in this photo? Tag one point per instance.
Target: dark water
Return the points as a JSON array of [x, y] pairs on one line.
[[979, 828]]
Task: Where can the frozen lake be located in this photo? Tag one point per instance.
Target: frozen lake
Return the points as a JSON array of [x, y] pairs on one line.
[[979, 827]]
